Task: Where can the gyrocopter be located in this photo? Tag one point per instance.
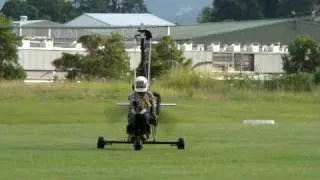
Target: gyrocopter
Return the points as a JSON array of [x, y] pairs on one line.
[[142, 128]]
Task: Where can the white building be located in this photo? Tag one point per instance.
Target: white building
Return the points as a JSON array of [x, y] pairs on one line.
[[118, 20]]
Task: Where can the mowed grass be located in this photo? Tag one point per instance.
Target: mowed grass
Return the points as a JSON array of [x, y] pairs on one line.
[[50, 132]]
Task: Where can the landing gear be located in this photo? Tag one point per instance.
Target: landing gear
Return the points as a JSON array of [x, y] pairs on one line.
[[137, 143], [100, 142]]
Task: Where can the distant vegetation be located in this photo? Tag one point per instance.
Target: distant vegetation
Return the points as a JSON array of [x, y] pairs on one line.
[[10, 69], [257, 9], [63, 10]]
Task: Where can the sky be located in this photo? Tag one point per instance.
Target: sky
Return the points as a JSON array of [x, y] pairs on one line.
[[1, 3]]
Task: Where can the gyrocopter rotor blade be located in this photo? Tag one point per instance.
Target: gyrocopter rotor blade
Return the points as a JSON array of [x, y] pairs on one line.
[[162, 104]]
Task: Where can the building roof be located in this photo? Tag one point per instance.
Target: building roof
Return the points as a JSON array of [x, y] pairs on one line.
[[181, 32], [200, 30], [28, 22], [34, 28], [119, 19], [263, 31], [35, 23]]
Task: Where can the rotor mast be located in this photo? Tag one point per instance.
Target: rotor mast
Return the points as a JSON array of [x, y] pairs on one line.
[[145, 40]]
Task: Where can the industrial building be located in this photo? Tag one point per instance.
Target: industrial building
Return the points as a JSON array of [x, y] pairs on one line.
[[255, 46]]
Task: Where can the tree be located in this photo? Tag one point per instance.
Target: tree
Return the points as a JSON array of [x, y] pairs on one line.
[[206, 15], [91, 6], [55, 10], [92, 43], [165, 56], [106, 58], [110, 6], [300, 8], [70, 63], [16, 8], [256, 9], [115, 58], [237, 10], [13, 8], [304, 56], [65, 10], [270, 8], [9, 65], [134, 6]]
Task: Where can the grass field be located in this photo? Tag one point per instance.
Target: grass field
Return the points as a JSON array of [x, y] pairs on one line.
[[50, 132]]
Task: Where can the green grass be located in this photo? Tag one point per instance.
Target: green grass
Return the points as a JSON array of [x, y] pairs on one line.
[[50, 132]]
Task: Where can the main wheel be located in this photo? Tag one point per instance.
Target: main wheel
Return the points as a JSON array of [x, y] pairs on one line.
[[100, 142], [180, 143], [137, 144]]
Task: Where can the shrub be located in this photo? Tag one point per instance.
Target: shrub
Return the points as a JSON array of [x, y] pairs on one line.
[[298, 82], [317, 76], [304, 56], [243, 81], [13, 72], [181, 80]]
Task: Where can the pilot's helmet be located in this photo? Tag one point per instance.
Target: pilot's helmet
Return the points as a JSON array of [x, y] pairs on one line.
[[141, 84]]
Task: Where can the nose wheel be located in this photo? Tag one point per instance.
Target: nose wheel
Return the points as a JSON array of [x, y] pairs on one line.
[[137, 145], [101, 142]]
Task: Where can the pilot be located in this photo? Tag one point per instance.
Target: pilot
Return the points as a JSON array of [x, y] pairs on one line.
[[144, 99]]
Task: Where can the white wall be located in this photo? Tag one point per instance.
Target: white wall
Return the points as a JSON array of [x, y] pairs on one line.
[[135, 59], [268, 63]]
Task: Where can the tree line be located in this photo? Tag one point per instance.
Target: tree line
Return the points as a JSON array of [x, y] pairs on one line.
[[223, 10], [64, 10]]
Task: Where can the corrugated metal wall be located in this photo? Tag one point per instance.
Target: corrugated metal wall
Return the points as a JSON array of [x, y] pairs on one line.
[[197, 57], [39, 60]]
